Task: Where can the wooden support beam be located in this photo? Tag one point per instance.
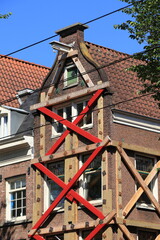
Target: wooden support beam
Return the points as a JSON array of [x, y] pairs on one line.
[[101, 224], [69, 54], [38, 204], [68, 227], [141, 224], [138, 178], [71, 96], [50, 92], [118, 172], [83, 72], [59, 68], [136, 148], [93, 223], [68, 153], [158, 237], [126, 232], [70, 209], [139, 192]]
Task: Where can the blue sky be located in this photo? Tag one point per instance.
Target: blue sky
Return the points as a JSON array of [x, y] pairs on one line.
[[34, 20]]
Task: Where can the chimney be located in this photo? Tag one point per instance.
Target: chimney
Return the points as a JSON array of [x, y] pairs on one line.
[[72, 33]]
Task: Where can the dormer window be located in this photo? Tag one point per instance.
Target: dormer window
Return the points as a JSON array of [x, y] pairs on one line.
[[70, 76], [4, 131]]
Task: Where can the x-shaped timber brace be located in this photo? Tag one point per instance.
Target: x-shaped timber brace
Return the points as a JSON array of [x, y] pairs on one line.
[[67, 191], [71, 195]]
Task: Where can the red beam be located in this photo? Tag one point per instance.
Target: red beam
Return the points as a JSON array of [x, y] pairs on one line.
[[70, 125], [67, 188], [72, 193], [95, 231], [76, 121]]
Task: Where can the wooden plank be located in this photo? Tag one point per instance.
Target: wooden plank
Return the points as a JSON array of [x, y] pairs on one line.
[[93, 223], [118, 191], [50, 92], [142, 224], [126, 232], [69, 227], [70, 209], [100, 105], [138, 193], [71, 96], [59, 68], [138, 178], [118, 184], [37, 206], [83, 72], [57, 156], [101, 224], [69, 54], [136, 148], [158, 237]]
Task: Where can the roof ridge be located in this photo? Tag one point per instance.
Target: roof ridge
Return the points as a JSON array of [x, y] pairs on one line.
[[24, 61], [108, 48]]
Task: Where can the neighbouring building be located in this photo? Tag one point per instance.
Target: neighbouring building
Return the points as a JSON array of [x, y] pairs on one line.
[[19, 80], [97, 147]]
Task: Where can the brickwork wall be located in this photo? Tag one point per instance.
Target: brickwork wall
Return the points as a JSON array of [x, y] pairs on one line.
[[16, 231]]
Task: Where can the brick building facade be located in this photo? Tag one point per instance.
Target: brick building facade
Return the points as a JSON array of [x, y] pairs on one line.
[[98, 177], [95, 172], [18, 81]]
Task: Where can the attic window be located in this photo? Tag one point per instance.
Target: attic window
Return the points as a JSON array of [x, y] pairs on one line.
[[70, 76]]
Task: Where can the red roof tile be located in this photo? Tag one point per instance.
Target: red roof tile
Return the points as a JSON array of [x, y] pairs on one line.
[[17, 75], [124, 84]]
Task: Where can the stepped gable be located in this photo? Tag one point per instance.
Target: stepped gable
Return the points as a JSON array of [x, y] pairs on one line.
[[124, 83], [16, 75]]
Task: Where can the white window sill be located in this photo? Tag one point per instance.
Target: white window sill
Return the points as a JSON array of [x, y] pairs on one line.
[[70, 86], [86, 127], [145, 206], [16, 220]]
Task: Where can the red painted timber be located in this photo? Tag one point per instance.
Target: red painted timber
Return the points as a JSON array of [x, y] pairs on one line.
[[76, 121]]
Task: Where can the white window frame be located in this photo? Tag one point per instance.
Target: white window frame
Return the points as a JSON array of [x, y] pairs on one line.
[[8, 198], [66, 76], [154, 184], [47, 193], [74, 115], [81, 188], [4, 130]]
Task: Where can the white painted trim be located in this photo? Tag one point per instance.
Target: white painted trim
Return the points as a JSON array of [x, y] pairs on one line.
[[154, 184], [8, 209], [137, 121], [74, 114], [15, 160], [20, 144]]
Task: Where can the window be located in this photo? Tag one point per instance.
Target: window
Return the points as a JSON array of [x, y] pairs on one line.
[[85, 233], [70, 76], [90, 181], [16, 198], [146, 235], [54, 189], [70, 113], [4, 131], [144, 165]]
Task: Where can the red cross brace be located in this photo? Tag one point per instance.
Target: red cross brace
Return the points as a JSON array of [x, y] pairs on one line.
[[67, 191]]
